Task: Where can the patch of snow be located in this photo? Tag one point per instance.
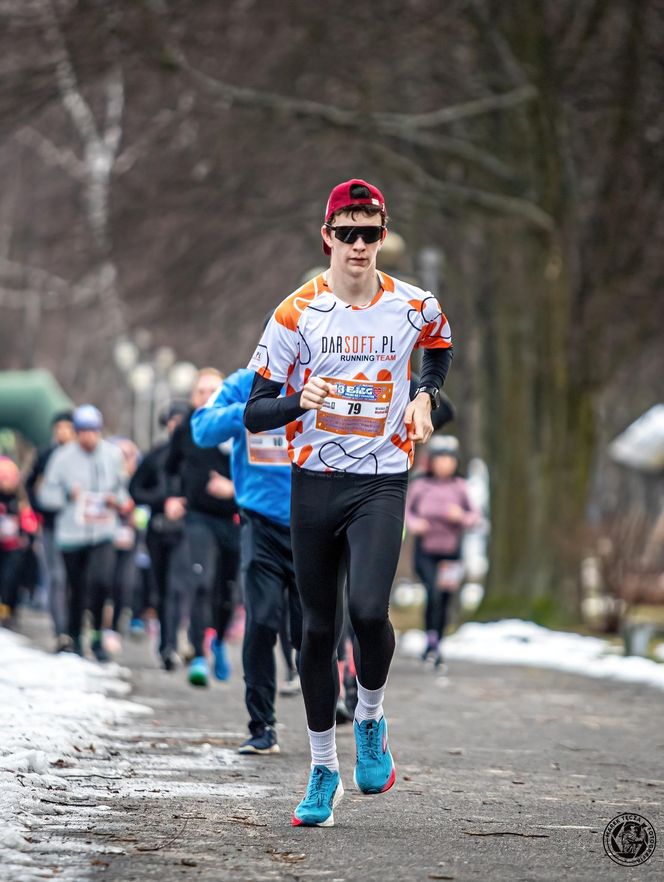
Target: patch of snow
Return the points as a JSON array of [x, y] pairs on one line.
[[56, 710], [516, 642]]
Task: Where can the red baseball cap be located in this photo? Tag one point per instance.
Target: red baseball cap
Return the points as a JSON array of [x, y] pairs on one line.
[[351, 193]]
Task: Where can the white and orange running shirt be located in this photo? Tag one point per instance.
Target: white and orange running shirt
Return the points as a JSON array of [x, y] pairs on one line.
[[364, 354]]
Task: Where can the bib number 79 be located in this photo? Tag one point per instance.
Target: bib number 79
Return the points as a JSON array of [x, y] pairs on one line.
[[354, 407]]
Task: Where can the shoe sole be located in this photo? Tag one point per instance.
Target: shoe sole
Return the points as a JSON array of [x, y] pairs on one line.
[[388, 786], [329, 822], [255, 751]]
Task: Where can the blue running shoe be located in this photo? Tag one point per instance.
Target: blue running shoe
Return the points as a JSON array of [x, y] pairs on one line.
[[198, 671], [263, 743], [222, 666], [374, 766], [137, 627], [324, 792]]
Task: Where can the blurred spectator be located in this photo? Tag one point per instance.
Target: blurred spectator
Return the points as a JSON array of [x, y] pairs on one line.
[[17, 523], [211, 527], [53, 568], [438, 511], [125, 543], [149, 487], [85, 483]]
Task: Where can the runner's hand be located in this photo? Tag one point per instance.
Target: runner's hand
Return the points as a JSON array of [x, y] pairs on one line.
[[220, 487], [314, 393], [175, 508], [418, 526], [455, 514], [418, 418]]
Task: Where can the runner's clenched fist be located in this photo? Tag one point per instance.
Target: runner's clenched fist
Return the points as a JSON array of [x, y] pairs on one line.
[[314, 393]]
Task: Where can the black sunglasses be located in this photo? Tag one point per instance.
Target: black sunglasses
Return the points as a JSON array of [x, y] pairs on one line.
[[348, 235]]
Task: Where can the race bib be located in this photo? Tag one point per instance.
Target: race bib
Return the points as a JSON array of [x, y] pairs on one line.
[[125, 538], [267, 448], [355, 407], [9, 527], [91, 509], [449, 575]]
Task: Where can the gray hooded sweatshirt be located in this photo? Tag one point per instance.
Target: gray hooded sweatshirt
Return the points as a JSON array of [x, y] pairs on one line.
[[88, 519]]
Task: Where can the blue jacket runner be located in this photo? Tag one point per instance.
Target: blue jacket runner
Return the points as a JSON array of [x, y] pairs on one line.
[[259, 463]]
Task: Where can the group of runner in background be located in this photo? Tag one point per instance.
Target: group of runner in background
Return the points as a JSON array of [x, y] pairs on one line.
[[148, 542]]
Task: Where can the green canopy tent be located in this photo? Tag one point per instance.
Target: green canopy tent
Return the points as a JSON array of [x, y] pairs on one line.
[[28, 402]]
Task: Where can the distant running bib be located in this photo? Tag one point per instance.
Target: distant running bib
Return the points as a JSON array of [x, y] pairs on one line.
[[91, 509], [355, 407], [125, 538], [268, 449], [449, 575], [9, 527]]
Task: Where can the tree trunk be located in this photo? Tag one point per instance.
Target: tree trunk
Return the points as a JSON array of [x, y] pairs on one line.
[[539, 431], [540, 425]]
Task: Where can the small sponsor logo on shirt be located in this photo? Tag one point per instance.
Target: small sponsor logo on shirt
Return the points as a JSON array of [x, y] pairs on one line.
[[357, 391]]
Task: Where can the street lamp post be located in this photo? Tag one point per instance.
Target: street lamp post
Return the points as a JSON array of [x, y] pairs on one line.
[[141, 380], [125, 356], [431, 266], [164, 359], [181, 378], [151, 380]]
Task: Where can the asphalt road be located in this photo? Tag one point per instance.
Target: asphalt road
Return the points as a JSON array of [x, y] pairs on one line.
[[503, 773]]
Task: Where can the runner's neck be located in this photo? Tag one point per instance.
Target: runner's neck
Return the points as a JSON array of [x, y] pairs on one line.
[[356, 292]]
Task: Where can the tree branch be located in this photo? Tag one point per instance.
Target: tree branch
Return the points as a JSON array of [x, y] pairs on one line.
[[348, 118], [54, 156], [19, 280], [445, 191], [78, 109], [131, 154], [495, 39], [402, 126], [455, 148], [477, 107], [114, 112]]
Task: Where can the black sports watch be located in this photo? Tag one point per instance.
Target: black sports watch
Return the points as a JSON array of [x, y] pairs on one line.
[[433, 394]]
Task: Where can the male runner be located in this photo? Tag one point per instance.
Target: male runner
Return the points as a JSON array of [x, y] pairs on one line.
[[261, 473], [342, 344], [63, 432], [85, 483], [211, 531]]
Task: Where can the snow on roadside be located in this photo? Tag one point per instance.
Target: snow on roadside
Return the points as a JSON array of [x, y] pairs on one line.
[[516, 642], [54, 711]]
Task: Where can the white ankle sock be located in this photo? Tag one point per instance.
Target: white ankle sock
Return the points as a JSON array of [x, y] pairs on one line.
[[369, 703], [324, 748]]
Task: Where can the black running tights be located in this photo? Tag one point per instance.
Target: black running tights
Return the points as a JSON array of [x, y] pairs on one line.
[[344, 527]]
